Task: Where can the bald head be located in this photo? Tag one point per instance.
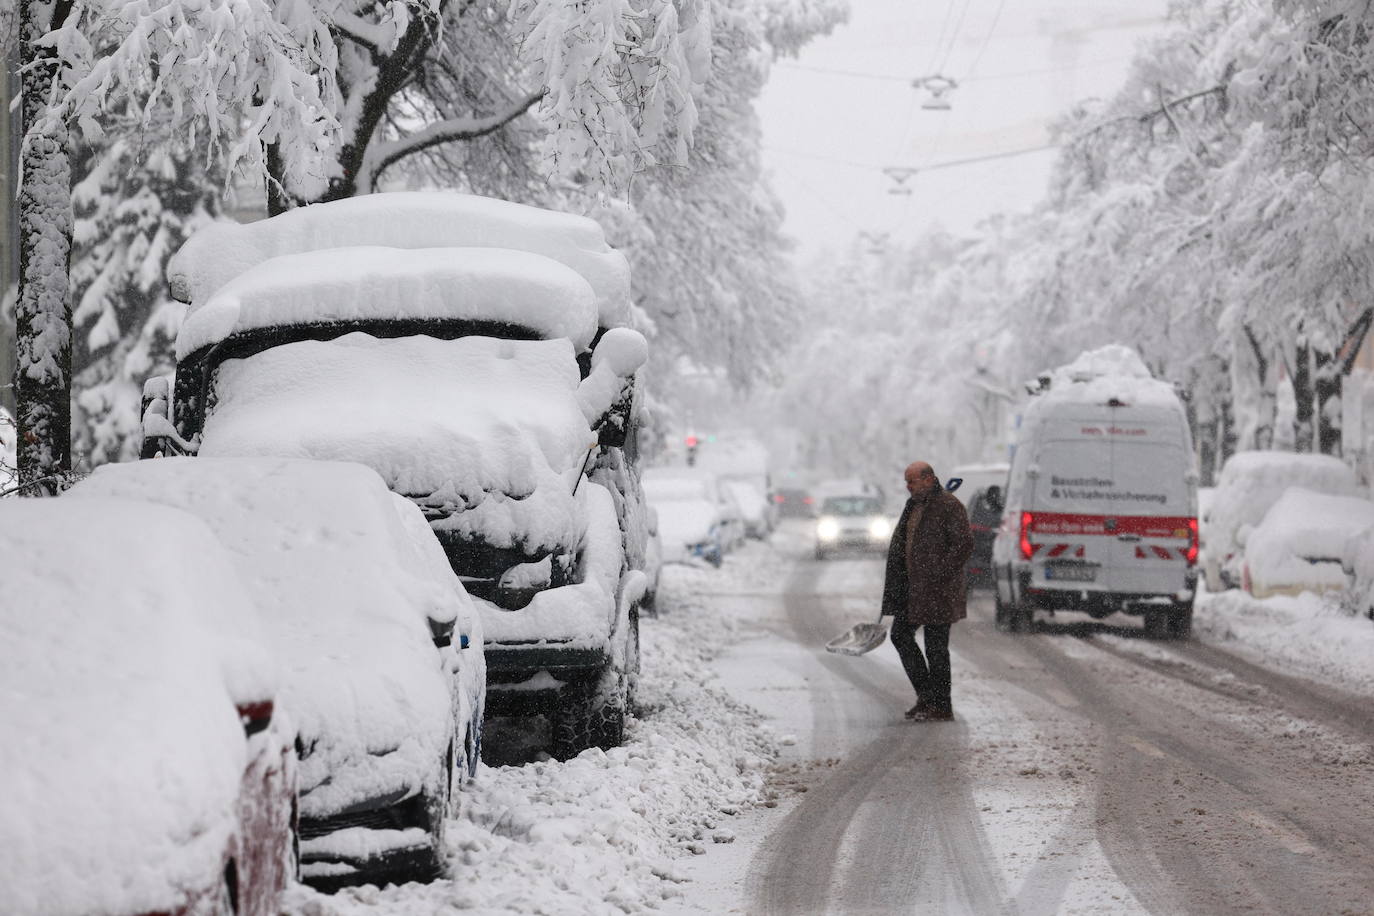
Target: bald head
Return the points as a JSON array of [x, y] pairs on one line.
[[920, 478]]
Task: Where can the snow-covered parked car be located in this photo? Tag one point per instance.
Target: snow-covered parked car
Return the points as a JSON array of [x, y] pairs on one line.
[[755, 508], [370, 632], [1358, 561], [692, 523], [474, 353], [1250, 483], [147, 765], [653, 558], [1301, 543]]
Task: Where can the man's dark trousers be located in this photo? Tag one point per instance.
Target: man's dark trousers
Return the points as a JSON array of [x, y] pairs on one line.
[[929, 673]]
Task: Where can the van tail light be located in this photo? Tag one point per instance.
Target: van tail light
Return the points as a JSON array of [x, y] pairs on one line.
[[1027, 551], [1191, 555], [255, 716]]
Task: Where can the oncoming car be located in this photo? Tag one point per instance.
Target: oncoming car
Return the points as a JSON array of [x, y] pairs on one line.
[[851, 523]]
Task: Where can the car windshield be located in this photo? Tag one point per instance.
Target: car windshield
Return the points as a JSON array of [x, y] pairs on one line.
[[851, 505]]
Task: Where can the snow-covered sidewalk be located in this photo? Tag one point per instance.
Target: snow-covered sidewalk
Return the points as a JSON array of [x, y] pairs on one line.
[[605, 832], [1309, 635]]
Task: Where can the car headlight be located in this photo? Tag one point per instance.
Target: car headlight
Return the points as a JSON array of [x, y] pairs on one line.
[[827, 529], [880, 528]]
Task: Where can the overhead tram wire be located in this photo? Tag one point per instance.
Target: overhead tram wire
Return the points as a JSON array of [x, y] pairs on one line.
[[949, 163], [856, 74]]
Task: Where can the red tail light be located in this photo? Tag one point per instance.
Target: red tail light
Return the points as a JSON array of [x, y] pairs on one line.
[[1191, 555], [808, 500], [1027, 550], [255, 716], [779, 498]]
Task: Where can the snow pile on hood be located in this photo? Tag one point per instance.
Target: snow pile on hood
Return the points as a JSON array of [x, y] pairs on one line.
[[583, 613], [418, 219], [489, 427], [1251, 482], [1300, 544], [391, 284], [1113, 372], [344, 598], [602, 833], [122, 753]]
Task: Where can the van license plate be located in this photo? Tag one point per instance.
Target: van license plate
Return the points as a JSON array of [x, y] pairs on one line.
[[1075, 573]]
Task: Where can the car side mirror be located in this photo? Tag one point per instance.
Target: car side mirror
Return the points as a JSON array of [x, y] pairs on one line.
[[993, 497], [442, 631], [954, 483]]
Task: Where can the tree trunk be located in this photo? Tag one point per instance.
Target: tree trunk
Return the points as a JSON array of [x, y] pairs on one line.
[[1327, 388], [1252, 355], [43, 312], [1302, 396]]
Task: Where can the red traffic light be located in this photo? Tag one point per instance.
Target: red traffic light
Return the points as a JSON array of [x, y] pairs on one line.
[[691, 441]]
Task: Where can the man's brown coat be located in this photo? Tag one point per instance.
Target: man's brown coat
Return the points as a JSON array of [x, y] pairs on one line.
[[925, 573]]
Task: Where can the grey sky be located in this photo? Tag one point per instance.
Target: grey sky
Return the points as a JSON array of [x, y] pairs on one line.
[[843, 111]]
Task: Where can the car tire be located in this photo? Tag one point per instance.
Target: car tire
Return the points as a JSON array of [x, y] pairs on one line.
[[590, 712], [820, 554], [1181, 620], [1001, 614]]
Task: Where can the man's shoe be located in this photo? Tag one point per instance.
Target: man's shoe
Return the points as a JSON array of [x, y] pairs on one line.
[[932, 714]]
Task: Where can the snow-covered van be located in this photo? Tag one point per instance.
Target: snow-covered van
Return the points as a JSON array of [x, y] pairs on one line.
[[474, 353], [1101, 503]]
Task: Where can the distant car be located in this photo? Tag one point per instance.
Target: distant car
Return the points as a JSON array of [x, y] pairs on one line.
[[852, 523], [1301, 543], [1250, 483], [690, 524], [148, 766], [794, 502], [378, 638], [754, 507]]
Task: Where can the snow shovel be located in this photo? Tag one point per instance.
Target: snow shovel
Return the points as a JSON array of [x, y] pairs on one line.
[[860, 638]]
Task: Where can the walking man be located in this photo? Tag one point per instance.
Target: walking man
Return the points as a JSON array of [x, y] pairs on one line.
[[924, 587]]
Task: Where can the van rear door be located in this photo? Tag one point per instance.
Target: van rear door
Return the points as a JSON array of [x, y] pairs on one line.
[[1114, 508]]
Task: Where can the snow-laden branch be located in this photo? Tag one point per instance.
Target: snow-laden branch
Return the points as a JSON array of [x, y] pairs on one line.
[[382, 156]]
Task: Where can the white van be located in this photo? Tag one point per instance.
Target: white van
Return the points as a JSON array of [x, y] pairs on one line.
[[1101, 504]]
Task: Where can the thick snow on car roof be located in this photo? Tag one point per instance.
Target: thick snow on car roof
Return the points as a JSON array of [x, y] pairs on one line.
[[343, 596], [122, 750], [1113, 372], [411, 219], [382, 284], [490, 426]]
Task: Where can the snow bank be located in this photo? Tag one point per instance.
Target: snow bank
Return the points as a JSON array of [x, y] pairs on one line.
[[603, 833], [491, 427], [382, 284], [1301, 542], [1306, 634], [424, 219], [1251, 482], [1358, 560], [344, 598], [122, 625]]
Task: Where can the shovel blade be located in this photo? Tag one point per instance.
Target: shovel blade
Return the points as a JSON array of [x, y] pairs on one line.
[[858, 639]]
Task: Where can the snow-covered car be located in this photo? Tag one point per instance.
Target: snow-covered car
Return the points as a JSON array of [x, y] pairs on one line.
[[689, 518], [370, 632], [148, 765], [474, 353], [1301, 543], [1249, 484], [758, 513], [852, 523]]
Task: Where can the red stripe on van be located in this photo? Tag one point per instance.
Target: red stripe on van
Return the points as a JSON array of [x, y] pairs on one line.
[[1057, 549], [1150, 526]]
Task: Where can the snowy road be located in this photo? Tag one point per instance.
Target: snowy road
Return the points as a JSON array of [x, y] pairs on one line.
[[1089, 771]]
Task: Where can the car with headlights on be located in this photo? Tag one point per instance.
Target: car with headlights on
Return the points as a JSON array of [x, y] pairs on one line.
[[851, 523], [374, 635], [147, 761]]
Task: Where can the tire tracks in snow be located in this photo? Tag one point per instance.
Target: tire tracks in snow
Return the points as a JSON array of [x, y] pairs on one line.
[[896, 826]]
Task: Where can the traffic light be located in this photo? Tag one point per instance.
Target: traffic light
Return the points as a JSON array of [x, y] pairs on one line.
[[692, 442]]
